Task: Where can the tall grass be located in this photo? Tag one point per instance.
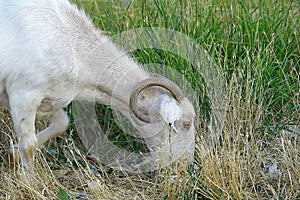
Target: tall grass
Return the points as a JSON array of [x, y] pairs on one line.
[[256, 45]]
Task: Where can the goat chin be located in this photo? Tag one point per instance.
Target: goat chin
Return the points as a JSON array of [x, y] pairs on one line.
[[51, 54]]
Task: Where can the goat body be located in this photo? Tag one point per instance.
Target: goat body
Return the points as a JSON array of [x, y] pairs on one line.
[[50, 55]]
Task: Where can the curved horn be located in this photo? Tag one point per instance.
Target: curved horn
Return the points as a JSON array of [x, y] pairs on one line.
[[155, 80]]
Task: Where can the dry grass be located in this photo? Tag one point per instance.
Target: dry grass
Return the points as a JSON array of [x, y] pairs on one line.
[[244, 165]]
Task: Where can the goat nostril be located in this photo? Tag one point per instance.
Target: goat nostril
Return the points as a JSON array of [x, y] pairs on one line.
[[186, 125]]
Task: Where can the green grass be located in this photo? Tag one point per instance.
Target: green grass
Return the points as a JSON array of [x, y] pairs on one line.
[[256, 46], [258, 40]]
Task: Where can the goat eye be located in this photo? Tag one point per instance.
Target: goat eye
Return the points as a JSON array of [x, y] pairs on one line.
[[186, 125]]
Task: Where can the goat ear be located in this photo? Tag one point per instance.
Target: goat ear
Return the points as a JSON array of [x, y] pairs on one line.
[[148, 105], [154, 81]]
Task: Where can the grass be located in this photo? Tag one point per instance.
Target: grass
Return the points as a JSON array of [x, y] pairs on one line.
[[256, 46]]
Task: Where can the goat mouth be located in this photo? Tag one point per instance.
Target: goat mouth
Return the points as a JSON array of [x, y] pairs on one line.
[[154, 80]]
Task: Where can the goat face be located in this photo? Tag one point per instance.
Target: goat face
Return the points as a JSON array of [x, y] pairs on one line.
[[164, 118]]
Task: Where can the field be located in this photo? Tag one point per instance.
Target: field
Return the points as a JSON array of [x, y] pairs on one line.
[[255, 45]]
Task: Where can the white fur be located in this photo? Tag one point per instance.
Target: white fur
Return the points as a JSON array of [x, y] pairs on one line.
[[50, 55]]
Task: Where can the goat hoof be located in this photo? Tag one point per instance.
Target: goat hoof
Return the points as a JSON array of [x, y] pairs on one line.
[[14, 157]]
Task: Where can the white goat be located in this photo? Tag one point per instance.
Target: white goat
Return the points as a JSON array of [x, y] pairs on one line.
[[51, 54]]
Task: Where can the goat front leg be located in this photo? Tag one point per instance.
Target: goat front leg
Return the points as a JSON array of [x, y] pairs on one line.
[[59, 123], [23, 110]]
